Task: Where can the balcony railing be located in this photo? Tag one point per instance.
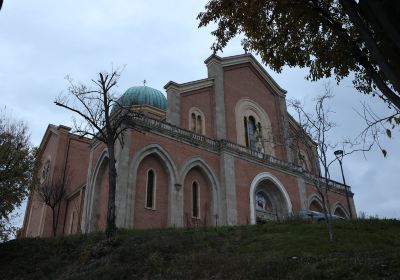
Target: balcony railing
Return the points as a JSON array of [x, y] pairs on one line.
[[149, 124]]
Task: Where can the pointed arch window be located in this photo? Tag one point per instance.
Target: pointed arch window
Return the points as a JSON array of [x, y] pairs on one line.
[[253, 134], [151, 189], [195, 200]]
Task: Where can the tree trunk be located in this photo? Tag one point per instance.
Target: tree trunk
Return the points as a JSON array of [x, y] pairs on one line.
[[112, 182], [58, 217], [327, 220], [327, 206], [54, 225]]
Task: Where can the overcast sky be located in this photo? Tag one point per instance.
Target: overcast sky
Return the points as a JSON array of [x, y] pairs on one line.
[[43, 41]]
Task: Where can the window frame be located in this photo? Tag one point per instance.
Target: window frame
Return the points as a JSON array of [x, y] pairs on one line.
[[198, 217], [197, 121], [252, 132], [147, 189]]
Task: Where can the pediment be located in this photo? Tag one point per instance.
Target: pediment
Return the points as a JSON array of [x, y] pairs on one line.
[[249, 59]]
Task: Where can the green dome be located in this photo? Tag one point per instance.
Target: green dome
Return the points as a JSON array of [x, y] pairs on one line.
[[143, 95]]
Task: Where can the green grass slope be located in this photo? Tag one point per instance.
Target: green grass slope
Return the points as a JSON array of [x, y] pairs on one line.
[[366, 249]]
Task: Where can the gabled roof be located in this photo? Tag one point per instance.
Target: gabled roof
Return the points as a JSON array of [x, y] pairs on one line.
[[53, 129], [247, 58]]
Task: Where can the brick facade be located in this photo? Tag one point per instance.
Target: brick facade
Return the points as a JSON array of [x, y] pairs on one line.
[[242, 151]]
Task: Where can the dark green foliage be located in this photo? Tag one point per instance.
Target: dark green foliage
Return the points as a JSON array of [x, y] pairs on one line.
[[366, 249], [16, 164], [323, 35]]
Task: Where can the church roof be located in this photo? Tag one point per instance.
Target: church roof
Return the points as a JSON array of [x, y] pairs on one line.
[[143, 95], [247, 58]]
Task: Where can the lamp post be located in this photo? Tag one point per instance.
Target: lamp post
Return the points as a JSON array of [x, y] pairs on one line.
[[339, 155]]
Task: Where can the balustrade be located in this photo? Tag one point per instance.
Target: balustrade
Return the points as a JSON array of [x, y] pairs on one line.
[[148, 123]]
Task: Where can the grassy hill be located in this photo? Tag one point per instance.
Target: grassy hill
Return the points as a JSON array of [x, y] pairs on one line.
[[365, 249]]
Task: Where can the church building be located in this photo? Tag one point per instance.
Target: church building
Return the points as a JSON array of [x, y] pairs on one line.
[[215, 151]]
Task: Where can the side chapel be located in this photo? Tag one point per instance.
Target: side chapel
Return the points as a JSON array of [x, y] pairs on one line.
[[216, 151]]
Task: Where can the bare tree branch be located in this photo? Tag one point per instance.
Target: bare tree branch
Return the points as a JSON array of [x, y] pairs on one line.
[[376, 126], [313, 134], [102, 118], [51, 192]]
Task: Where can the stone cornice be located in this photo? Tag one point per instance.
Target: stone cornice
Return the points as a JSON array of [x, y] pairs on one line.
[[191, 86], [247, 58], [152, 109]]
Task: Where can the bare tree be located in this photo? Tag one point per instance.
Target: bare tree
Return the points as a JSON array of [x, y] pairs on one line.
[[313, 134], [97, 120], [314, 129], [52, 192]]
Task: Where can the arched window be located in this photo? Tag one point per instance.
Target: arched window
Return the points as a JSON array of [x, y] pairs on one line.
[[195, 200], [196, 121], [251, 132], [253, 127], [199, 124], [151, 189], [193, 124], [339, 212], [263, 207], [316, 206], [246, 135]]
